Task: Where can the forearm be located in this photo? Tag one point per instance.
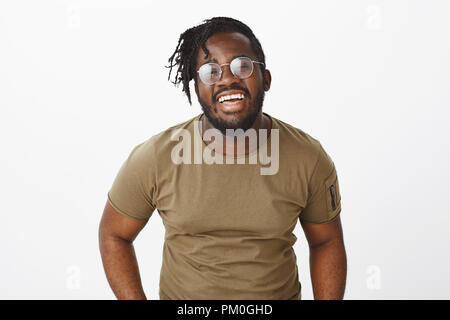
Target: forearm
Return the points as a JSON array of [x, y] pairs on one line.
[[328, 267], [121, 268]]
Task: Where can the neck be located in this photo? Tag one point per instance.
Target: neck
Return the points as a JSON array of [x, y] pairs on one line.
[[230, 145]]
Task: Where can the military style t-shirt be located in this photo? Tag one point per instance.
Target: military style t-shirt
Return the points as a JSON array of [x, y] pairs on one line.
[[229, 228]]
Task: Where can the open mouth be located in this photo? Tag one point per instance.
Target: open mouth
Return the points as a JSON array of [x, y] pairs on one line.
[[232, 102], [231, 97]]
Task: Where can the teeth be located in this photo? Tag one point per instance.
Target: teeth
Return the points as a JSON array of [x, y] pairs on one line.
[[231, 96]]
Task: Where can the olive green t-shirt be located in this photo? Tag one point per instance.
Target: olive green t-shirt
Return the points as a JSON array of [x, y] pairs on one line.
[[229, 228]]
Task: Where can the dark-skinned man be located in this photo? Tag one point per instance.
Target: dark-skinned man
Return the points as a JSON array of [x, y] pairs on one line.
[[229, 224]]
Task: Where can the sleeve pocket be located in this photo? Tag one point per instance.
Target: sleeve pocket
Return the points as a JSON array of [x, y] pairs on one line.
[[333, 196]]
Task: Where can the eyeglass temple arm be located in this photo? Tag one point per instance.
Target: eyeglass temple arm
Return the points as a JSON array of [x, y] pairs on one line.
[[259, 62]]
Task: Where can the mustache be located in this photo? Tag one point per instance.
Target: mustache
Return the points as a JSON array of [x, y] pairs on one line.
[[247, 94]]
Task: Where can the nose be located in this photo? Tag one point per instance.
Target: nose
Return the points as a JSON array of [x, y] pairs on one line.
[[227, 77]]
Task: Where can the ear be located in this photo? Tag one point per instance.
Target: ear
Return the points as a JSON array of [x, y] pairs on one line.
[[267, 80]]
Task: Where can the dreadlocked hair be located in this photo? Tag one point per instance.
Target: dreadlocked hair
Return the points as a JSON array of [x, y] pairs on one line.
[[185, 54]]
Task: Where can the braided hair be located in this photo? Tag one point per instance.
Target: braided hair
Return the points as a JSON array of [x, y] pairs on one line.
[[185, 55]]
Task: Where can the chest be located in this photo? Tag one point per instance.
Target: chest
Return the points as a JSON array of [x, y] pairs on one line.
[[198, 199]]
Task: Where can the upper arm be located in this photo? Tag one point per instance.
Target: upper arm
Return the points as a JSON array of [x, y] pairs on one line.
[[324, 199], [115, 224], [320, 234]]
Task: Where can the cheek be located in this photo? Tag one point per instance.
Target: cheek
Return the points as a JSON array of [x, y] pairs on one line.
[[255, 88], [206, 94]]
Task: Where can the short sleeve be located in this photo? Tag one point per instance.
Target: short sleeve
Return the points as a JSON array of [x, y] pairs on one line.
[[324, 198], [131, 193]]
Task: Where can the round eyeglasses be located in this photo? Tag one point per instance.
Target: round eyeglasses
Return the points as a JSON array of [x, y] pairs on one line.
[[241, 67]]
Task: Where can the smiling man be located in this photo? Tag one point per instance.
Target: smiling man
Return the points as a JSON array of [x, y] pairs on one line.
[[229, 228]]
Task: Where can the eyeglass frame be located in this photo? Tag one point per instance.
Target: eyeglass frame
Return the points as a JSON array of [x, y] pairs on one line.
[[224, 64]]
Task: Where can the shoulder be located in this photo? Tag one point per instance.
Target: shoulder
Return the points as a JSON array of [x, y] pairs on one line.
[[295, 141], [162, 141]]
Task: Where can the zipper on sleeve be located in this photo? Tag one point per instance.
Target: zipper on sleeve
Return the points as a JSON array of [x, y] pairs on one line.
[[333, 202]]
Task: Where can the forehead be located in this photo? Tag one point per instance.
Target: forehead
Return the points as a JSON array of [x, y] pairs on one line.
[[225, 45]]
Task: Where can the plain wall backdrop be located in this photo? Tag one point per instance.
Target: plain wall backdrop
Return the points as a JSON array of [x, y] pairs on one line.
[[83, 82]]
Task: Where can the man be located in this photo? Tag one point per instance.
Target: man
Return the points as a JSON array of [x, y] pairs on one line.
[[228, 223]]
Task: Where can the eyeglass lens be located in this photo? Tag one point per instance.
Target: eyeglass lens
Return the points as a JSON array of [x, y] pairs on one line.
[[240, 67]]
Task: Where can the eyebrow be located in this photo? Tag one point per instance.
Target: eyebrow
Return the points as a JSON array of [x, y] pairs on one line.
[[215, 60]]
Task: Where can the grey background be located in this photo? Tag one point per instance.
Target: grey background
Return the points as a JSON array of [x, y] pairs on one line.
[[82, 82]]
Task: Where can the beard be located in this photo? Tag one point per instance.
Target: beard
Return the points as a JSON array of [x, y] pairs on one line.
[[242, 123]]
